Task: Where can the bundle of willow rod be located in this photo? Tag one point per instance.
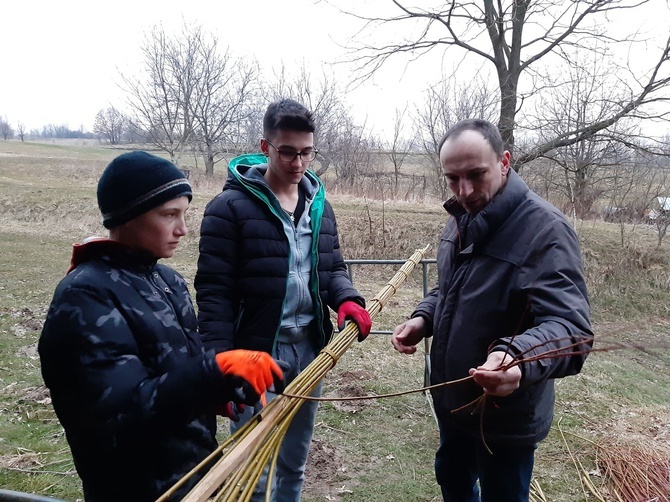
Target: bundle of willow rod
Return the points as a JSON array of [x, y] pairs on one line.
[[249, 450], [637, 472]]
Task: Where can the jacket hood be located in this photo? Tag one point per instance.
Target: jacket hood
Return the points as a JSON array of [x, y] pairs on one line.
[[248, 171]]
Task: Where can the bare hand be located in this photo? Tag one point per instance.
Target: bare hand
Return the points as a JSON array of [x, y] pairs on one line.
[[493, 379], [408, 334]]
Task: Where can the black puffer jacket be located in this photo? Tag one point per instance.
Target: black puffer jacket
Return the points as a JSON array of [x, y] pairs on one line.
[[129, 378], [519, 272], [243, 265]]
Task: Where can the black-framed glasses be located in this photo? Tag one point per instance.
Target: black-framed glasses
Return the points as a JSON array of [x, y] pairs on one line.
[[289, 155]]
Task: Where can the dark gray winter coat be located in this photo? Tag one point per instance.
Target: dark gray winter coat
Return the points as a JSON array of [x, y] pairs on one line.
[[515, 271]]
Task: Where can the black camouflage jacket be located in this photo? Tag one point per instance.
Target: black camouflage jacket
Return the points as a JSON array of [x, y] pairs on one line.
[[129, 378]]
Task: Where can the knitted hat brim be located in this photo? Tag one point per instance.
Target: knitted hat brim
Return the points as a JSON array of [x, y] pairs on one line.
[[158, 196]]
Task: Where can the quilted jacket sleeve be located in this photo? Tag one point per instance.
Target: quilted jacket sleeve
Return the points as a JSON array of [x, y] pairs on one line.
[[340, 287], [215, 280]]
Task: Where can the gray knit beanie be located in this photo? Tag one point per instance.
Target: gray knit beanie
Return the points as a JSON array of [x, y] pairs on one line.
[[135, 183]]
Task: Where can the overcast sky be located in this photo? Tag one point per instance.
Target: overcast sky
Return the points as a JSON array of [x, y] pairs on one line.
[[61, 59]]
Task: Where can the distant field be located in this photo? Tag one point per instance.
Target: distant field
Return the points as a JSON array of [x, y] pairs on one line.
[[380, 450]]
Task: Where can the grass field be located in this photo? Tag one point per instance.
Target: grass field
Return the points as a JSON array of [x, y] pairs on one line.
[[378, 450]]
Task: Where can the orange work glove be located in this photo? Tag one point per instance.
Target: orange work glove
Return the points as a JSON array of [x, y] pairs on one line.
[[250, 373], [352, 310]]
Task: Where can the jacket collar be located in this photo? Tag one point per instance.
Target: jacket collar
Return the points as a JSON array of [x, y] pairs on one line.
[[110, 251], [248, 170], [492, 217]]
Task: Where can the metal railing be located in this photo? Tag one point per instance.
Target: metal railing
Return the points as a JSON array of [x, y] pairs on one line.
[[13, 496], [426, 341]]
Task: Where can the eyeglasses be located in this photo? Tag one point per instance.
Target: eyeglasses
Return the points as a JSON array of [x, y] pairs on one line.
[[290, 155]]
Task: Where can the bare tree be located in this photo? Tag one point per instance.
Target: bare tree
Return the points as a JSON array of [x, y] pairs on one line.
[[160, 96], [399, 146], [192, 95], [21, 130], [596, 167], [249, 130], [133, 132], [223, 85], [6, 130], [513, 38], [584, 97], [110, 123], [632, 185], [445, 104], [353, 152]]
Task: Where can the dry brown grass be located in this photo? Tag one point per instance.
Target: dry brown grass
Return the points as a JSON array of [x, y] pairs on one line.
[[48, 201]]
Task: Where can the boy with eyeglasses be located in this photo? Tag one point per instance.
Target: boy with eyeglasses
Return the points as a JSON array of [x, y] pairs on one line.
[[270, 266]]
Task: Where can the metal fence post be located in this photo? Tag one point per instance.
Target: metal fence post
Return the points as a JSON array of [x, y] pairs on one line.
[[424, 270]]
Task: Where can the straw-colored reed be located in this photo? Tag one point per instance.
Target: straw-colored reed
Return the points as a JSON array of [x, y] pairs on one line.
[[245, 455]]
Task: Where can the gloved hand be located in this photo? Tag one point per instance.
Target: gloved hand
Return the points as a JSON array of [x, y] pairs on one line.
[[231, 410], [250, 373], [352, 310]]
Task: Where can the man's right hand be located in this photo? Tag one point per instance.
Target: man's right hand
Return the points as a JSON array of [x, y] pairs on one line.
[[249, 374], [408, 334]]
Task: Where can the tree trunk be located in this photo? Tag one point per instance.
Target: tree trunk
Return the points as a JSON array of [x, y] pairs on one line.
[[507, 114], [325, 164], [209, 164]]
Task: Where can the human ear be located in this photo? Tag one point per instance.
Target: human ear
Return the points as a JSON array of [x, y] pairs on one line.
[[265, 147], [506, 162]]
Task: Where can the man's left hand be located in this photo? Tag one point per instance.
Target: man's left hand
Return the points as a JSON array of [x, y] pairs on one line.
[[493, 379], [352, 310]]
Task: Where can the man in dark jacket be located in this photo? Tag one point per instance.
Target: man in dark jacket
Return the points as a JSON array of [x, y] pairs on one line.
[[510, 287], [129, 378], [270, 266]]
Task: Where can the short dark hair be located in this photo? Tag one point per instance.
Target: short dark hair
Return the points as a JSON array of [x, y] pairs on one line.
[[484, 127], [288, 115]]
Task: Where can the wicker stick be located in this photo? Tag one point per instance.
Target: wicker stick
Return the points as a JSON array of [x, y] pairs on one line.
[[241, 466], [244, 443], [246, 477]]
